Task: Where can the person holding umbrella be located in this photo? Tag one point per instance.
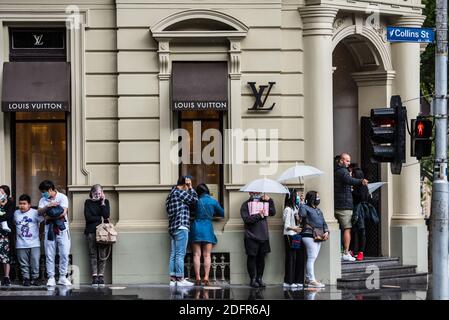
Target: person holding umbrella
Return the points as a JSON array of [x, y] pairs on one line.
[[254, 212]]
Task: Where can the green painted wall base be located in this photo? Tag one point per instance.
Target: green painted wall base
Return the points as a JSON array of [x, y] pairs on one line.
[[142, 258], [409, 242]]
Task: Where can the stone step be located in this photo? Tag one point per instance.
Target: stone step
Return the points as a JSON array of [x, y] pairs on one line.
[[402, 280], [378, 261], [383, 271]]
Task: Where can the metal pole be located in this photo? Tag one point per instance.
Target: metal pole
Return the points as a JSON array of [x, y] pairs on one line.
[[440, 189]]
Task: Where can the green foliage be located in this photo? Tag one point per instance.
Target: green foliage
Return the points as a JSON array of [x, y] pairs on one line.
[[428, 56], [428, 78]]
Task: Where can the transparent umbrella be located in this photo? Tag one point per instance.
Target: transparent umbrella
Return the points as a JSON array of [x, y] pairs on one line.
[[264, 186], [374, 186], [300, 171]]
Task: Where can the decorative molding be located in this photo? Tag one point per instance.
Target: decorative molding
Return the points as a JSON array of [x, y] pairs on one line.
[[235, 57], [233, 32], [318, 20], [372, 36], [238, 29], [373, 78], [410, 21], [76, 21], [340, 22], [137, 226], [164, 60]]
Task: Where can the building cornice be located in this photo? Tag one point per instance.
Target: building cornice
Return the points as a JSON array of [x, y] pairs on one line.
[[318, 20], [412, 21]]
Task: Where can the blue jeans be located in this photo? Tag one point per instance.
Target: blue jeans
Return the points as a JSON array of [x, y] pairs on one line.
[[178, 249]]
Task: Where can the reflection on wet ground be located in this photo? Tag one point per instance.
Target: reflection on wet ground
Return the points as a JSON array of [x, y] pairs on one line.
[[234, 292]]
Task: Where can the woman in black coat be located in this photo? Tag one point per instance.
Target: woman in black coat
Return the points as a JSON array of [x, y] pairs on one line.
[[96, 209], [363, 210]]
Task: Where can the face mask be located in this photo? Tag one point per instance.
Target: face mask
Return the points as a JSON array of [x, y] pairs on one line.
[[3, 197], [317, 201], [257, 196], [298, 200], [45, 195]]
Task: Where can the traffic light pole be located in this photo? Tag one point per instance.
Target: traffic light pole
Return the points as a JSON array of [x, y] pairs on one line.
[[440, 189]]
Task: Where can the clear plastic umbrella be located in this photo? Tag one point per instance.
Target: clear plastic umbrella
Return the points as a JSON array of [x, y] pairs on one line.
[[374, 186], [300, 171], [264, 186]]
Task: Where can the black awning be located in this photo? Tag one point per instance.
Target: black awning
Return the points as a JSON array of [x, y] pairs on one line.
[[199, 86], [36, 86]]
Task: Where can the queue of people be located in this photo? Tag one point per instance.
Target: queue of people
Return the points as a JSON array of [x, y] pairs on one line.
[[52, 210], [304, 230], [190, 213]]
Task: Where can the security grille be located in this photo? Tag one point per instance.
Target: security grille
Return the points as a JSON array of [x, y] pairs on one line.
[[372, 174]]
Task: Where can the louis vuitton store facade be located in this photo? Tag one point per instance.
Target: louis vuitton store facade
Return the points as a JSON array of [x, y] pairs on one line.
[[93, 93]]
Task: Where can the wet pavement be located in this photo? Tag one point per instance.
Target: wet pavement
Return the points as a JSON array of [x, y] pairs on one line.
[[234, 292]]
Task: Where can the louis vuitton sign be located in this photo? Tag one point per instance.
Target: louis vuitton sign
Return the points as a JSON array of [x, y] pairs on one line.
[[199, 86], [36, 86]]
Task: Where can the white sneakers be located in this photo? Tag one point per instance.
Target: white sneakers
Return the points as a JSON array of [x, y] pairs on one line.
[[184, 283], [315, 284], [63, 281], [172, 283], [293, 285], [347, 257], [51, 282]]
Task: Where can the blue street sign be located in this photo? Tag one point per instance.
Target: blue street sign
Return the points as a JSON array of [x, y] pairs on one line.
[[400, 34]]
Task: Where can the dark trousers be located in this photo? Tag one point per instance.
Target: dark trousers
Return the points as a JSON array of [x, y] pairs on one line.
[[256, 266], [294, 263], [256, 251], [359, 240], [97, 254]]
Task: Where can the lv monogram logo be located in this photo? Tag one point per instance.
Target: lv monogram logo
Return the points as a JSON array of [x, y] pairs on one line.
[[38, 39], [258, 94]]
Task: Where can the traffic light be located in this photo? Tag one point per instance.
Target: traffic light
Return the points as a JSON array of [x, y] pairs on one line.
[[421, 145], [387, 136]]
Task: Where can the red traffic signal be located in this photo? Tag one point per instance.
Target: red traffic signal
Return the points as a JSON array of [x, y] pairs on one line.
[[421, 138], [423, 129]]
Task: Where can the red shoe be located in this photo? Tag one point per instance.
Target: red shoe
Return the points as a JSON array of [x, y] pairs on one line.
[[360, 256]]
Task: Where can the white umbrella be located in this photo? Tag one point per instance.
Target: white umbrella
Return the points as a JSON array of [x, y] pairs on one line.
[[374, 186], [264, 186], [300, 171]]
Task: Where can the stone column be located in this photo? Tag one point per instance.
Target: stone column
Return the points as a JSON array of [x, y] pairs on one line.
[[318, 108], [375, 90], [408, 230], [165, 117]]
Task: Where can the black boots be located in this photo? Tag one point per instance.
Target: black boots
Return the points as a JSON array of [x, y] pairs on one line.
[[260, 282], [254, 283]]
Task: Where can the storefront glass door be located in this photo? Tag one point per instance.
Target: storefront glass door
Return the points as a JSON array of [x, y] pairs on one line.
[[40, 151], [210, 174]]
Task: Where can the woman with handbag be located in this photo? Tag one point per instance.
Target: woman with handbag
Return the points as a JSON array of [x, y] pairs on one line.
[[96, 210], [315, 231], [294, 250], [202, 234]]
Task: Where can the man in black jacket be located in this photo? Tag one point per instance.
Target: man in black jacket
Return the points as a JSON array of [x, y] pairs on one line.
[[257, 243], [343, 204]]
